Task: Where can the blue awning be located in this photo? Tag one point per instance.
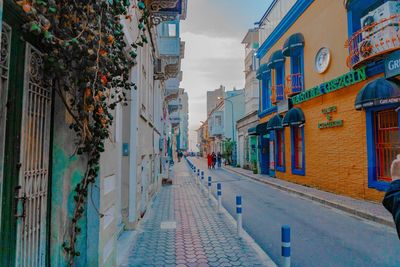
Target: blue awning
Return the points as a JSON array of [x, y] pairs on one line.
[[252, 131], [275, 59], [262, 70], [294, 116], [261, 129], [378, 92], [275, 123], [293, 45]]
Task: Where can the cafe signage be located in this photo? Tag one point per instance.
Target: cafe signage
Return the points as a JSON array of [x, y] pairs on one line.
[[350, 78], [330, 123], [392, 65]]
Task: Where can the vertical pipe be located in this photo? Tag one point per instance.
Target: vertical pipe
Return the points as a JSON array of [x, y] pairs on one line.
[[286, 246]]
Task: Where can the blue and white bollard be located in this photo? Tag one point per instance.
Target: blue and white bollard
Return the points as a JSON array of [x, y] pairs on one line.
[[219, 196], [239, 215], [286, 246], [209, 187], [202, 178]]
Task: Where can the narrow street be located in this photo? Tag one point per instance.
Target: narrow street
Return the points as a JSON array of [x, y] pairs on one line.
[[321, 236]]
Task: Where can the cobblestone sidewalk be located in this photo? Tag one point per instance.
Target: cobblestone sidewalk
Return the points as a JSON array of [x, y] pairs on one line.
[[183, 229]]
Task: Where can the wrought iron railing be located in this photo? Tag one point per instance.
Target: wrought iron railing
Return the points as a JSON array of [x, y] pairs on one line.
[[294, 84], [277, 93], [373, 41]]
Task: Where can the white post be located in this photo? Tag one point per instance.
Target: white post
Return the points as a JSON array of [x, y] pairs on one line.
[[219, 196], [239, 215]]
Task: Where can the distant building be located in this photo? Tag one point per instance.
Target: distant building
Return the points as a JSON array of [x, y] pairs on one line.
[[214, 98]]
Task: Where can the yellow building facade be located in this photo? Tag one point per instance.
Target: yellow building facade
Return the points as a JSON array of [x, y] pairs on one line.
[[312, 81]]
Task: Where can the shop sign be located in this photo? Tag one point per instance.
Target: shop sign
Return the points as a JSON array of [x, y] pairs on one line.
[[379, 102], [330, 123], [350, 78], [392, 65]]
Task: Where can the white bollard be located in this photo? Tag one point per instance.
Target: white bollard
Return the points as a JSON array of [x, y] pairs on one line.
[[219, 196], [239, 215]]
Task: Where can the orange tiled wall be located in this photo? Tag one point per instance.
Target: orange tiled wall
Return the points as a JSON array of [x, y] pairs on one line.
[[336, 158]]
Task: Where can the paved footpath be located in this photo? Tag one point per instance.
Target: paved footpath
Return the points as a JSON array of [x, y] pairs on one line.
[[184, 229]]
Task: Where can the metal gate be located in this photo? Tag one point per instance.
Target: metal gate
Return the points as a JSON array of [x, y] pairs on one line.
[[33, 180], [387, 142]]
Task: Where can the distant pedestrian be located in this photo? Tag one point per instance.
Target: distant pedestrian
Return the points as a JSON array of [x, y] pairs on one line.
[[219, 159], [214, 159], [209, 160], [391, 200]]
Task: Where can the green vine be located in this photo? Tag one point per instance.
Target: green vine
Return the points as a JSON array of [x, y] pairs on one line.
[[88, 64]]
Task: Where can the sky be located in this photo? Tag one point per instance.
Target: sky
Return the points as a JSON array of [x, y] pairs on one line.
[[214, 54]]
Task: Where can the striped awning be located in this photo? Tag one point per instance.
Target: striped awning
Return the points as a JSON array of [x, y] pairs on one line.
[[378, 92], [275, 59], [293, 45]]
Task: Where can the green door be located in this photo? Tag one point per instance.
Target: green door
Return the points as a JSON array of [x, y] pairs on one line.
[[26, 150]]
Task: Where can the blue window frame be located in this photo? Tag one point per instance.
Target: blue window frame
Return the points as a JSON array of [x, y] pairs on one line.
[[280, 150], [297, 71], [280, 82], [266, 92], [298, 150], [371, 126]]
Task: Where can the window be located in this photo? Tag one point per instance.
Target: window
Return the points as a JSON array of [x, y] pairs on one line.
[[172, 30], [387, 142], [218, 121], [280, 82], [266, 91], [297, 72], [297, 142], [280, 150]]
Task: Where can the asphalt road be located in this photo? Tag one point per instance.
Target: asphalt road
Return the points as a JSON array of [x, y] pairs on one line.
[[321, 236]]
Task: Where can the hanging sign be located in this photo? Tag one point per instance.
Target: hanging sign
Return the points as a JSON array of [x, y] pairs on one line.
[[350, 78]]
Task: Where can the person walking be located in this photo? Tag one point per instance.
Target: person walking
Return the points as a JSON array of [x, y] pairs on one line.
[[391, 201], [209, 160], [219, 158], [214, 160]]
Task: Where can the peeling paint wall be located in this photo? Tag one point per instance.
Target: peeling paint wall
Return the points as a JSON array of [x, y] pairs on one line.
[[67, 171]]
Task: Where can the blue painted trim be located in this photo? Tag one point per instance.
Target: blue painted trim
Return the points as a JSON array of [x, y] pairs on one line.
[[294, 13], [372, 182], [267, 12], [302, 171], [267, 112], [280, 168]]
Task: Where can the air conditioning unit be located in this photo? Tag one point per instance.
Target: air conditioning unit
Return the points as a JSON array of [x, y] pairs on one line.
[[379, 37], [382, 12]]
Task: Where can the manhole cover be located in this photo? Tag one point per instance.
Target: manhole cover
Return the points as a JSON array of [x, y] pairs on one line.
[[168, 225]]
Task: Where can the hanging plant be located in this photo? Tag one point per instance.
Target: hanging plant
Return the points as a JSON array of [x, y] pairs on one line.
[[88, 62]]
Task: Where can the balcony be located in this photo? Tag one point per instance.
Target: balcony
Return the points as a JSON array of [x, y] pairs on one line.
[[277, 93], [173, 106], [374, 41], [294, 84], [166, 10]]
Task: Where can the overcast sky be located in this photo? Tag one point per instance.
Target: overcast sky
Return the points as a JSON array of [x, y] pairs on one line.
[[214, 56]]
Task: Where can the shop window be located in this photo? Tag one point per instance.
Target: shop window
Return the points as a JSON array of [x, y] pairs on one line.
[[297, 144], [280, 82], [383, 143], [297, 73], [387, 142], [280, 150], [266, 92]]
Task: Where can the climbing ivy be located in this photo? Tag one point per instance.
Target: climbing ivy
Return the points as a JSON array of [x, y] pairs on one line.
[[87, 62]]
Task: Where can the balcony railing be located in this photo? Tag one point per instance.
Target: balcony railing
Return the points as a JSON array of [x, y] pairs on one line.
[[294, 84], [277, 93], [373, 41]]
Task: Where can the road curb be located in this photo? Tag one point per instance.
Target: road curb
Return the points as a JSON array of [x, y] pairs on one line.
[[333, 204]]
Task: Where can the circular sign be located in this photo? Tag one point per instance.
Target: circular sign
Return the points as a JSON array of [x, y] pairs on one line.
[[322, 60]]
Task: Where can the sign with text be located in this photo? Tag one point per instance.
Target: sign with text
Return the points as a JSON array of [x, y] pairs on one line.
[[330, 123], [392, 65]]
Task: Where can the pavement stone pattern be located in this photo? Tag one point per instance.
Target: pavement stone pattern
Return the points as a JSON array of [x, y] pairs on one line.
[[202, 236]]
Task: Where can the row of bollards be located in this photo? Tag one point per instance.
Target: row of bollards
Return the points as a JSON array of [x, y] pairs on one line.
[[285, 230]]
